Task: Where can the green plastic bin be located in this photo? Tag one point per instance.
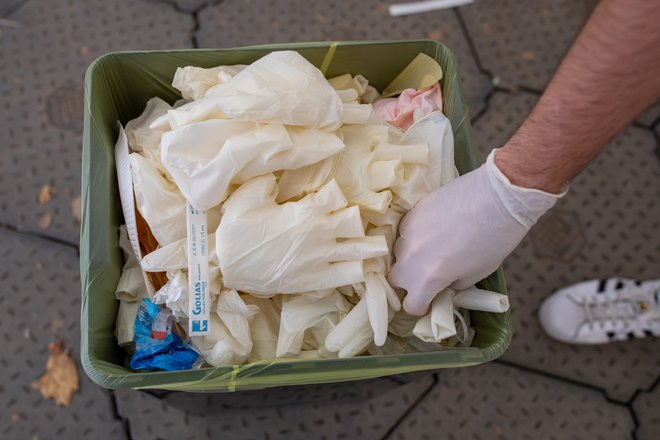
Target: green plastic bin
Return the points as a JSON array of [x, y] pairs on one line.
[[117, 86]]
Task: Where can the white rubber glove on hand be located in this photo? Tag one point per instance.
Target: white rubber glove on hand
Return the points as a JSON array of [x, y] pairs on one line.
[[460, 233]]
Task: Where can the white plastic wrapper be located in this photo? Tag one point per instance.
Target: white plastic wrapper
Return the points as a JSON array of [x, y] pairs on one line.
[[174, 294], [229, 151], [265, 248]]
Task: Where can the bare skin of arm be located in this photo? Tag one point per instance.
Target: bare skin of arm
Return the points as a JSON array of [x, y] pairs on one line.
[[611, 74]]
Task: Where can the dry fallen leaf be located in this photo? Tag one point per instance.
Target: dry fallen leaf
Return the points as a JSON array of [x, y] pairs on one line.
[[60, 380], [46, 220], [435, 35], [57, 325], [76, 208], [487, 29], [528, 55], [384, 8], [15, 417], [45, 193]]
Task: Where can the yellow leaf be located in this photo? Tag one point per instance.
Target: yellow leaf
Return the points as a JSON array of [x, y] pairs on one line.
[[60, 380], [44, 194], [46, 220], [76, 208]]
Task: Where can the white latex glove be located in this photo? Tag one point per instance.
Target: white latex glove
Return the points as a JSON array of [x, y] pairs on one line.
[[295, 184], [264, 328], [480, 299], [194, 82], [301, 313], [237, 316], [229, 341], [158, 200], [131, 286], [228, 151], [265, 248], [370, 164], [353, 334], [438, 323], [281, 87], [460, 233], [125, 323], [422, 179], [378, 293], [130, 290], [141, 137], [358, 85]]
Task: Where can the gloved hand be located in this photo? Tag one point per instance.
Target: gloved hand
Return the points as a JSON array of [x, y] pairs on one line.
[[461, 232]]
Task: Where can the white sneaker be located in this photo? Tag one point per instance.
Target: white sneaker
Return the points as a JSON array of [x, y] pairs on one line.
[[602, 311]]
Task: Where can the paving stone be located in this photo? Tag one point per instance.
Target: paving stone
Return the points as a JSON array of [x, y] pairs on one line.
[[497, 402], [646, 407], [650, 116], [6, 6], [41, 304], [522, 42], [364, 409], [189, 5], [41, 96], [247, 22], [607, 225]]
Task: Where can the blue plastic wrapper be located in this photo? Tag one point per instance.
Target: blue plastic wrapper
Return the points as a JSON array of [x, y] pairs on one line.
[[165, 351]]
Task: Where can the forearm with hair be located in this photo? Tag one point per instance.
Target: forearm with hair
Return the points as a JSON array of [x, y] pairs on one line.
[[611, 74]]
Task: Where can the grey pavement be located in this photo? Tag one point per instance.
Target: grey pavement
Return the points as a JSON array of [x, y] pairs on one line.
[[507, 51]]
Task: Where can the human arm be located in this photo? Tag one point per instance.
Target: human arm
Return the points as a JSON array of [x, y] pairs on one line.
[[461, 232], [610, 74]]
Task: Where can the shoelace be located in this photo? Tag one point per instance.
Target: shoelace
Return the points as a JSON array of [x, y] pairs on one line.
[[626, 307]]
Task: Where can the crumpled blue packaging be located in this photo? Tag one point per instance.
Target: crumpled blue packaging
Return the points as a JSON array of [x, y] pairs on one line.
[[167, 351]]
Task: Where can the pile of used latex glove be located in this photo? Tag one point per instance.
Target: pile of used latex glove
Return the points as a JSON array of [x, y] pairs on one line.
[[304, 180]]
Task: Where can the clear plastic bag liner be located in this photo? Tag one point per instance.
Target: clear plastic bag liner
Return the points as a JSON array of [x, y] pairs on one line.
[[117, 87]]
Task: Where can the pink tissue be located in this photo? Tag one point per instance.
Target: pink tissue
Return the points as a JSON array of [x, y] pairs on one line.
[[410, 105]]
